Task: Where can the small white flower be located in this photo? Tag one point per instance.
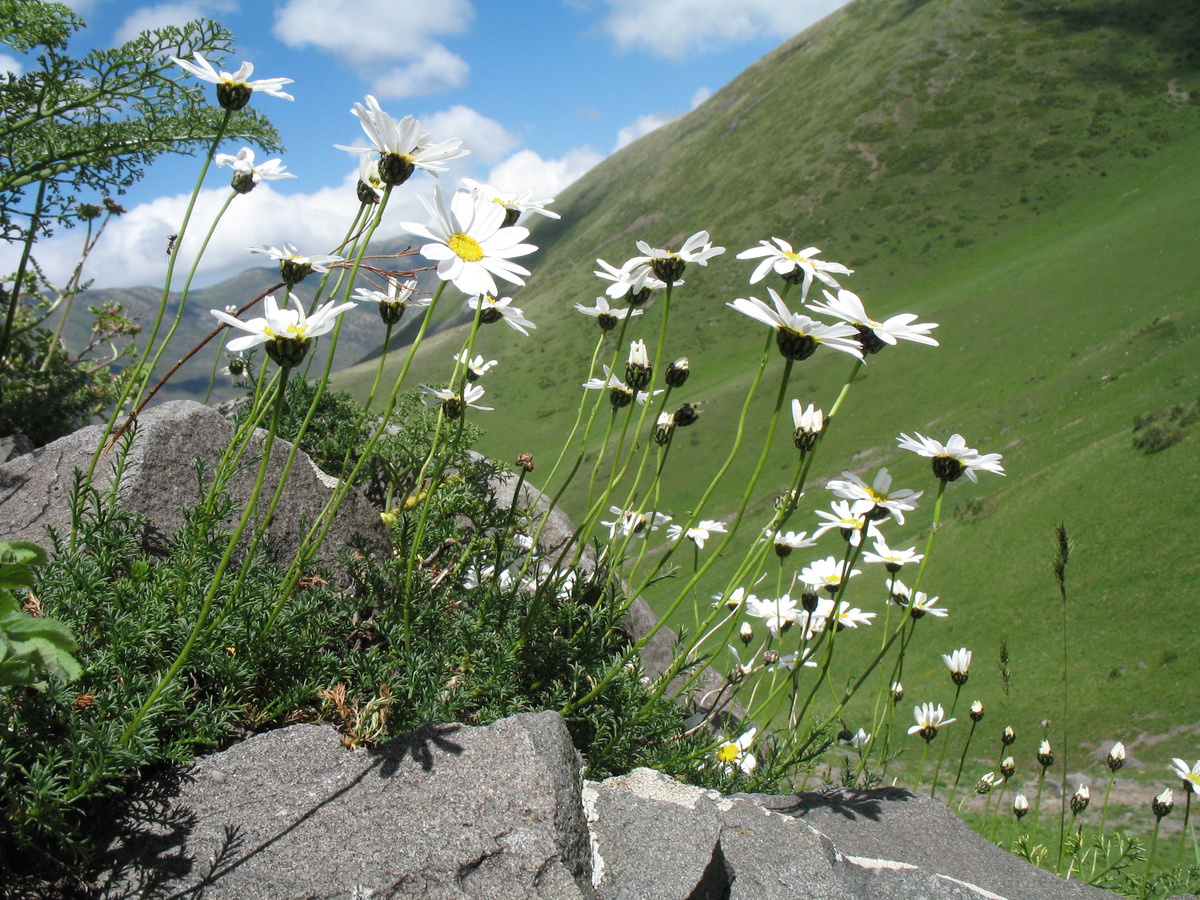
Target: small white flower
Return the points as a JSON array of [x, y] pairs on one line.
[[512, 204], [668, 265], [496, 309], [959, 664], [871, 334], [240, 79], [243, 164], [893, 559], [787, 541], [290, 322], [953, 458], [477, 367], [699, 534], [797, 335], [802, 266], [452, 401], [868, 500], [318, 262], [929, 719], [825, 573], [631, 280], [737, 753], [777, 615], [849, 523], [606, 316], [631, 523], [470, 242], [1190, 776], [404, 140]]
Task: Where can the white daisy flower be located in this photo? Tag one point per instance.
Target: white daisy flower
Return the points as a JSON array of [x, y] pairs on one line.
[[874, 336], [233, 91], [952, 459], [797, 335], [470, 243], [794, 267]]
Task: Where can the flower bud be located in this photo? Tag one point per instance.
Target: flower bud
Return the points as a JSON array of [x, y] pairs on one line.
[[1080, 799], [1008, 766], [1162, 804], [668, 269], [525, 462], [986, 783], [897, 692], [809, 600], [976, 710], [664, 428], [619, 396], [1045, 755], [770, 657], [1008, 736], [686, 415], [233, 95], [243, 182], [287, 352], [366, 193], [1020, 805], [1116, 756], [746, 633], [677, 372], [638, 370], [395, 169]]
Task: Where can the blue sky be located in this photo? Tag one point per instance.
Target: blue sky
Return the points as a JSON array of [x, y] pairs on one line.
[[538, 90]]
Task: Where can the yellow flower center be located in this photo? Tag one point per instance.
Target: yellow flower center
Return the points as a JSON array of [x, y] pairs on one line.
[[876, 496], [465, 247], [727, 753], [297, 330], [794, 257]]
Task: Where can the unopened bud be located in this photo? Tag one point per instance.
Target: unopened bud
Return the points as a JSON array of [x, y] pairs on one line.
[[1080, 799], [677, 372], [525, 461], [1020, 805], [770, 657], [1116, 756], [1045, 755], [1008, 736], [686, 415], [1008, 766], [976, 711], [1163, 803], [897, 692], [747, 633]]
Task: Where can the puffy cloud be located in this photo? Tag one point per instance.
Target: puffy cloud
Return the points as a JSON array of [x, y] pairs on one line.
[[647, 123], [674, 29], [526, 169], [132, 250], [365, 33], [640, 126], [488, 140], [148, 17], [436, 70], [10, 64]]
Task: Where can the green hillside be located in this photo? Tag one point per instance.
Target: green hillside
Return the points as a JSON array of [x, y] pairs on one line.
[[1027, 174]]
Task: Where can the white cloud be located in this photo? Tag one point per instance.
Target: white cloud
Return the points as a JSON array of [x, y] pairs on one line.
[[436, 70], [365, 33], [160, 15], [641, 126], [164, 14], [526, 169], [10, 64], [132, 250], [674, 29], [647, 123], [488, 140]]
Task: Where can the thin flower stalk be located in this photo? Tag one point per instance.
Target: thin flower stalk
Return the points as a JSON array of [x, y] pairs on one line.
[[697, 576], [218, 575], [945, 744], [128, 388], [317, 531], [962, 760]]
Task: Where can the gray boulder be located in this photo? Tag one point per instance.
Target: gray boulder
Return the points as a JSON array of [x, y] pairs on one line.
[[446, 811], [451, 811], [159, 481]]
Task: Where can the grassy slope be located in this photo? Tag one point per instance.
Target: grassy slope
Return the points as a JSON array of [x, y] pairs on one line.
[[1018, 172]]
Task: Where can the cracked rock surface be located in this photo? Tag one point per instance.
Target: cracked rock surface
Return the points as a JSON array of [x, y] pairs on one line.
[[452, 811]]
